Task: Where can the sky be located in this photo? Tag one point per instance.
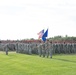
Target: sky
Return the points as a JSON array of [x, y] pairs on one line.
[[23, 19]]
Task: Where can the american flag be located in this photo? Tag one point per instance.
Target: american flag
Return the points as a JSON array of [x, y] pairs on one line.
[[41, 33]]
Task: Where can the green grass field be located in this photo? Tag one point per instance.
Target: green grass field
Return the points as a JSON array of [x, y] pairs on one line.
[[22, 64]]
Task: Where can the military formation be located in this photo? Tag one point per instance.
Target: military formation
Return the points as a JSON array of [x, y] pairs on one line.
[[43, 49], [65, 48]]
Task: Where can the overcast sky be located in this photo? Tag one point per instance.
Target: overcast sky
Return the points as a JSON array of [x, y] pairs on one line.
[[21, 19]]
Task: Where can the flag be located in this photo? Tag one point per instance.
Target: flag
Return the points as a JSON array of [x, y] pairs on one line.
[[41, 33], [45, 35], [44, 39]]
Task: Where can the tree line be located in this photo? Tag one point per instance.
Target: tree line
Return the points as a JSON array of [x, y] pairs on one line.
[[61, 38]]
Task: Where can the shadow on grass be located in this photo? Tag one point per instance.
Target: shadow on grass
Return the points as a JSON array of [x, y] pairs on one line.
[[64, 60]]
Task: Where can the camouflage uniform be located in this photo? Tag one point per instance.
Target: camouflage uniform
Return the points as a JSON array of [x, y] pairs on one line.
[[40, 50], [65, 48], [6, 49], [17, 48], [47, 49], [30, 48], [50, 49], [43, 50]]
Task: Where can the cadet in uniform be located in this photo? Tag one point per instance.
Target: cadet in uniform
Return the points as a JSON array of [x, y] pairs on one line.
[[43, 49], [50, 49], [40, 50], [47, 48]]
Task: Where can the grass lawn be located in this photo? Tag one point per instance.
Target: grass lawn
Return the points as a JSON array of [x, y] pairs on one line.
[[22, 64]]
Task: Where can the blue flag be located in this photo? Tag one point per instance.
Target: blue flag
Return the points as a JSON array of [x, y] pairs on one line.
[[45, 34], [44, 39]]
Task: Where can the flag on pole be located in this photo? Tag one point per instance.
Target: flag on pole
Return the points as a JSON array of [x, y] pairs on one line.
[[41, 33], [45, 35], [44, 39]]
